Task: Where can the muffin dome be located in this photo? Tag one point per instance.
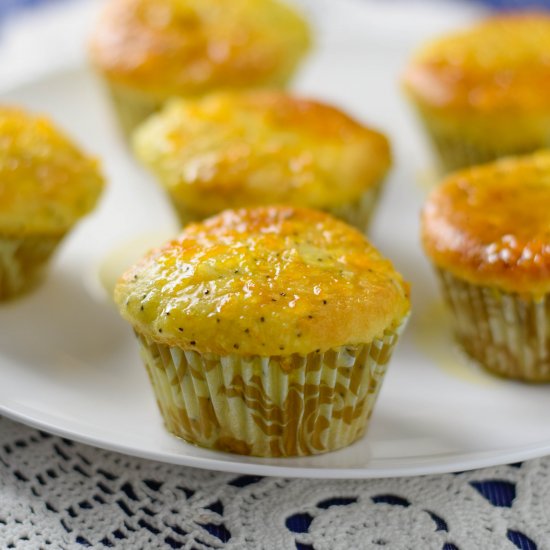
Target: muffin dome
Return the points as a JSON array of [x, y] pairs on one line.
[[266, 281], [46, 185], [491, 225], [481, 93], [266, 331], [185, 47], [231, 150], [46, 182], [501, 63]]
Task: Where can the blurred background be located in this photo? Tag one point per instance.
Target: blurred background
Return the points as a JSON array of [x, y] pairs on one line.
[[9, 7], [41, 36]]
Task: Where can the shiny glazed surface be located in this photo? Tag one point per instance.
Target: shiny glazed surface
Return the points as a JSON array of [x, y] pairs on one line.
[[265, 281], [46, 182], [500, 64], [166, 47], [232, 149], [491, 225]]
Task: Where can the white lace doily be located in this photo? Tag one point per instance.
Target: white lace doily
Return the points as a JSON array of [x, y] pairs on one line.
[[62, 495]]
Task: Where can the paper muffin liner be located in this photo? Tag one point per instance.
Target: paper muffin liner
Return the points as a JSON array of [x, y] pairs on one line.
[[131, 108], [507, 333], [358, 213], [455, 148], [268, 406], [22, 262], [184, 213], [457, 152]]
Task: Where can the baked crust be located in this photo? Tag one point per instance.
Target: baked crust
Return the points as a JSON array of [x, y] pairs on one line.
[[230, 150], [46, 182], [490, 225], [186, 47], [501, 64], [267, 281]]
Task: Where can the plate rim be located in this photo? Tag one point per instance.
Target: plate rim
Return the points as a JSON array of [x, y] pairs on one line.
[[508, 456], [462, 462]]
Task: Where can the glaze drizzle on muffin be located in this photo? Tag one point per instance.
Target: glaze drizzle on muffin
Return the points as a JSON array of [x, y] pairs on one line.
[[502, 63], [231, 150], [186, 47], [265, 281], [490, 225], [46, 182]]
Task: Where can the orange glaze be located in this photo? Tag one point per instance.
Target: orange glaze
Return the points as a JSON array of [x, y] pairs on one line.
[[173, 47], [490, 225], [230, 150], [46, 182], [264, 281], [500, 64]]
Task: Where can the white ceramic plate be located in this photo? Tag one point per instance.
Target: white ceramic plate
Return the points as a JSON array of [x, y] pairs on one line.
[[69, 364]]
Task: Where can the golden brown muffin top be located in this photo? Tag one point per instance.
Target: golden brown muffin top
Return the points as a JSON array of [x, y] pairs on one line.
[[265, 281], [46, 182], [229, 150], [173, 47], [490, 225], [501, 63]]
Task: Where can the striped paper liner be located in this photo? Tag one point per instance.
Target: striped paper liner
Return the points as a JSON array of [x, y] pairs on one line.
[[358, 213], [506, 333], [268, 406], [22, 262]]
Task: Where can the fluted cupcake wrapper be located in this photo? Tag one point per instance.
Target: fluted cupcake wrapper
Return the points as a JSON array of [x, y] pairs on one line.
[[458, 148], [22, 262], [457, 152], [360, 213], [357, 213], [268, 406], [506, 333], [131, 109], [465, 143]]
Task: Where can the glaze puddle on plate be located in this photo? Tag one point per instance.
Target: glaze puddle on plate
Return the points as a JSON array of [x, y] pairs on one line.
[[433, 334], [121, 257]]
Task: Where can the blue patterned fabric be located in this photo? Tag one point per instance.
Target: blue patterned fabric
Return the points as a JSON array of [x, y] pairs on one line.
[[498, 492], [8, 7], [517, 4]]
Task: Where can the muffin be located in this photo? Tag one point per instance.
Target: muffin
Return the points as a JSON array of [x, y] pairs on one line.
[[236, 149], [487, 230], [266, 331], [46, 185], [482, 92], [150, 50]]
